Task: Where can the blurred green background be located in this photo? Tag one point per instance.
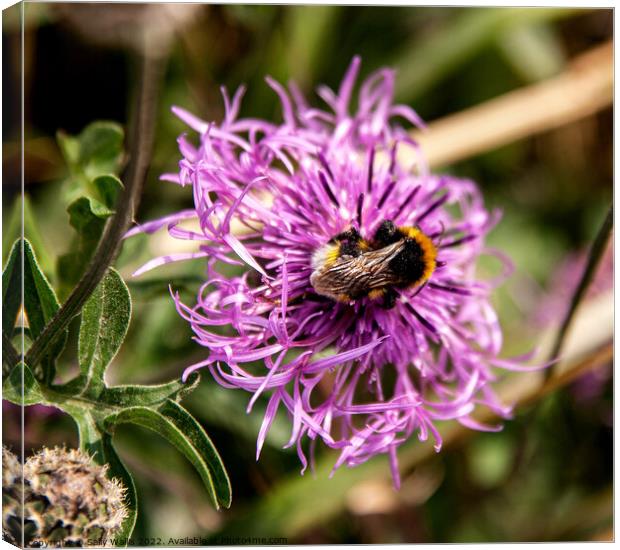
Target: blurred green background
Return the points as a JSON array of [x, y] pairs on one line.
[[548, 475]]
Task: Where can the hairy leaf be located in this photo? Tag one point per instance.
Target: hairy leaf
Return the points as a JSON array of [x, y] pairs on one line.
[[188, 425], [118, 470], [132, 395], [40, 300], [40, 305], [11, 289], [96, 408], [89, 431], [105, 319], [12, 387], [174, 423]]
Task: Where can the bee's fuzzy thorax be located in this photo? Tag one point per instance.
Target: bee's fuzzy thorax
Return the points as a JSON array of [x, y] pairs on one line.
[[325, 255]]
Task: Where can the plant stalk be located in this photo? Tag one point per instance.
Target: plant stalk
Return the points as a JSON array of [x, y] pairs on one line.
[[594, 257], [141, 145]]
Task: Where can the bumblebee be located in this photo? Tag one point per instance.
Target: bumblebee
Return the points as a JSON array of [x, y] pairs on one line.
[[349, 267]]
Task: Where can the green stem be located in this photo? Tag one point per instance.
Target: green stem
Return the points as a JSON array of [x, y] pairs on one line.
[[141, 148], [596, 253], [9, 354]]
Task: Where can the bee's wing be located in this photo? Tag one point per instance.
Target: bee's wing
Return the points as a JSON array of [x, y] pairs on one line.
[[356, 276], [374, 267]]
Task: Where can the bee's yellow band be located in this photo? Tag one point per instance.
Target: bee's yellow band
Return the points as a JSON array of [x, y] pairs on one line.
[[428, 248]]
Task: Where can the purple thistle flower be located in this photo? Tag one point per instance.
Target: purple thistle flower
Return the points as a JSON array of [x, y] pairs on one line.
[[359, 377], [553, 304]]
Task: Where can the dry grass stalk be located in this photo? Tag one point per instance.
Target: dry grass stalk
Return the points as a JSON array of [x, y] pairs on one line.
[[585, 88]]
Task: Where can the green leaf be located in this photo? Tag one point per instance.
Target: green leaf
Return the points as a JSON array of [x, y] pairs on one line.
[[40, 300], [11, 289], [105, 319], [118, 470], [175, 424], [40, 305], [86, 213], [87, 216], [13, 231], [188, 425], [12, 387], [69, 147], [147, 396], [101, 148], [97, 150], [94, 157], [102, 402], [108, 188], [89, 431]]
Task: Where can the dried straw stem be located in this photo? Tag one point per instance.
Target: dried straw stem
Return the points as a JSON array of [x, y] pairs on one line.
[[583, 89]]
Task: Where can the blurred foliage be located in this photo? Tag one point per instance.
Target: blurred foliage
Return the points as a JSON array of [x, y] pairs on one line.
[[547, 476], [94, 159]]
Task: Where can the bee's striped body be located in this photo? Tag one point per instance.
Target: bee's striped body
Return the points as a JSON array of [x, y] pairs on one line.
[[349, 268]]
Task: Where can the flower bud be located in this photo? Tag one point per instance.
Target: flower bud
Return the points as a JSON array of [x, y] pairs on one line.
[[68, 500]]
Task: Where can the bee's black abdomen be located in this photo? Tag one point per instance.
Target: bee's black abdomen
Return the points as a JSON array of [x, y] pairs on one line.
[[358, 293], [387, 234], [409, 264]]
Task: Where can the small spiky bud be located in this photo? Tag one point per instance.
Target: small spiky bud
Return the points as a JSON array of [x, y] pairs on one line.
[[11, 468], [67, 500], [12, 498]]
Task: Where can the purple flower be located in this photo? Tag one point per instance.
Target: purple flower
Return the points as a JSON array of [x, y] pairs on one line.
[[359, 376], [553, 305]]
